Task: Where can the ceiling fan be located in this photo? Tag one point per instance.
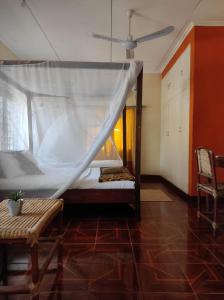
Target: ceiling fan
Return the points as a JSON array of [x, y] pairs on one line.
[[129, 43]]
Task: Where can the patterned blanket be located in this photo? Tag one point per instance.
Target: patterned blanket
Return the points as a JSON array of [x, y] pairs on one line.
[[115, 174]]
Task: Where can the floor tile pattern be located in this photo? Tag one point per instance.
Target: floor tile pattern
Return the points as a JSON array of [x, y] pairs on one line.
[[168, 255]]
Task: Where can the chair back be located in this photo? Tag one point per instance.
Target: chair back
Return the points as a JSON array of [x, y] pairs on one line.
[[206, 165]]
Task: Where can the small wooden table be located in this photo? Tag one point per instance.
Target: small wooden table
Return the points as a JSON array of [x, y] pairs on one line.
[[27, 228]]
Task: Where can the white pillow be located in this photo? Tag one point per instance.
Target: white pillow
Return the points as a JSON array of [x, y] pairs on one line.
[[106, 163], [10, 165], [17, 163]]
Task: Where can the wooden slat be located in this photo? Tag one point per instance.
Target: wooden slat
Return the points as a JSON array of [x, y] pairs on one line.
[[138, 143], [111, 196], [124, 137]]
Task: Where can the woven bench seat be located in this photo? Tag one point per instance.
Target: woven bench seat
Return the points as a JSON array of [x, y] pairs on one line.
[[27, 228], [28, 225]]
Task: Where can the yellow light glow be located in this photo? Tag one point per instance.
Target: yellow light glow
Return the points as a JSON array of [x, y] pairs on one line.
[[117, 136]]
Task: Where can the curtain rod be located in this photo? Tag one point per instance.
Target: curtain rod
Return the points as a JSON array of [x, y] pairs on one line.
[[69, 64]]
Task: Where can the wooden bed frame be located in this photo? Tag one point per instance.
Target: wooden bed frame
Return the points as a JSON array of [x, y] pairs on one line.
[[74, 196]]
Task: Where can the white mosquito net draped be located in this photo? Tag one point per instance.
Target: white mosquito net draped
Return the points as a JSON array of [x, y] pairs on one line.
[[55, 118]]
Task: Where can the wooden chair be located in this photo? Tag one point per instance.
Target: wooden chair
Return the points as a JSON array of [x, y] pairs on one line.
[[207, 183]]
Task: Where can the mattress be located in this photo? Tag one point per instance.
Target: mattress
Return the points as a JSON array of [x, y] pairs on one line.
[[90, 181], [53, 181]]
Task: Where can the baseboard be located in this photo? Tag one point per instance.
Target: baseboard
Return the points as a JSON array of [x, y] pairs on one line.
[[157, 178], [177, 191], [150, 178]]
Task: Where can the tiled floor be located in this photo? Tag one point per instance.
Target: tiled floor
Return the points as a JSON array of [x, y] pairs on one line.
[[166, 256]]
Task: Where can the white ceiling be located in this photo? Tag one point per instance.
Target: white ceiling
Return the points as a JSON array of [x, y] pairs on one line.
[[68, 24]]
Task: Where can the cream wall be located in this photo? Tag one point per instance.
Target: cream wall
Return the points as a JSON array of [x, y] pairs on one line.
[[6, 53], [151, 112], [150, 161]]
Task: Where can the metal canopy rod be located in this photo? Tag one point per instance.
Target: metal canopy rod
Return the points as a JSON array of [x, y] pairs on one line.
[[24, 90], [70, 64]]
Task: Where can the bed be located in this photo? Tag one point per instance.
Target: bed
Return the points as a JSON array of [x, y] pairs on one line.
[[86, 189], [88, 180]]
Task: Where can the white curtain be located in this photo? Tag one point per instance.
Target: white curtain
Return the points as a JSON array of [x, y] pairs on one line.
[[55, 117]]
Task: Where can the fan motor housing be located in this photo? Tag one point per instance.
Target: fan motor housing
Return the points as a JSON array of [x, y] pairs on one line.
[[129, 44]]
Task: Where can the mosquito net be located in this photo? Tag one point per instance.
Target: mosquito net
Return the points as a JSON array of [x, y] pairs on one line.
[[54, 119]]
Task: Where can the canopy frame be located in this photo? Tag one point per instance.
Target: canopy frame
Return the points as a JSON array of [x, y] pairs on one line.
[[91, 65]]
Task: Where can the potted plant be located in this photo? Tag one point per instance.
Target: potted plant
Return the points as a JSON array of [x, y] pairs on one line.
[[15, 203]]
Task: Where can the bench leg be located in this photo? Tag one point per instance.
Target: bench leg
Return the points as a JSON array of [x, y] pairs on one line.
[[35, 270], [60, 246], [4, 265]]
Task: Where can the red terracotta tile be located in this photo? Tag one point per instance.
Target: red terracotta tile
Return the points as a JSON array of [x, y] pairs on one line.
[[169, 296], [79, 295], [163, 278], [67, 280], [113, 253], [80, 236], [83, 224], [113, 224], [169, 257], [78, 253], [156, 235], [99, 253], [112, 236], [149, 253], [117, 296], [218, 251], [206, 236], [112, 278], [15, 297], [181, 253], [192, 253], [205, 278], [211, 296], [99, 277]]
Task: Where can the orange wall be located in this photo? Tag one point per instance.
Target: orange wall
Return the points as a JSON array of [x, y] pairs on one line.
[[208, 116], [206, 92]]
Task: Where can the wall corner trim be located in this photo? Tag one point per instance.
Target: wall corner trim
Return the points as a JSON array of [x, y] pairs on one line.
[[182, 35], [175, 46]]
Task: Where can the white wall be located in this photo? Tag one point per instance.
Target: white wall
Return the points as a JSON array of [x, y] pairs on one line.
[[6, 53], [150, 162], [174, 155]]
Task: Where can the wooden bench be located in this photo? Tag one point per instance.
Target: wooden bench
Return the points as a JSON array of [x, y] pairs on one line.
[[27, 229]]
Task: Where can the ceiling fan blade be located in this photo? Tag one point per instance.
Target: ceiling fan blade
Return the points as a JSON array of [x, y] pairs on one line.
[[106, 38], [129, 53], [155, 35]]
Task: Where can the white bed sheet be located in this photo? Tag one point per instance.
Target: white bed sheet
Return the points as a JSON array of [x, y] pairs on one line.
[[88, 180]]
